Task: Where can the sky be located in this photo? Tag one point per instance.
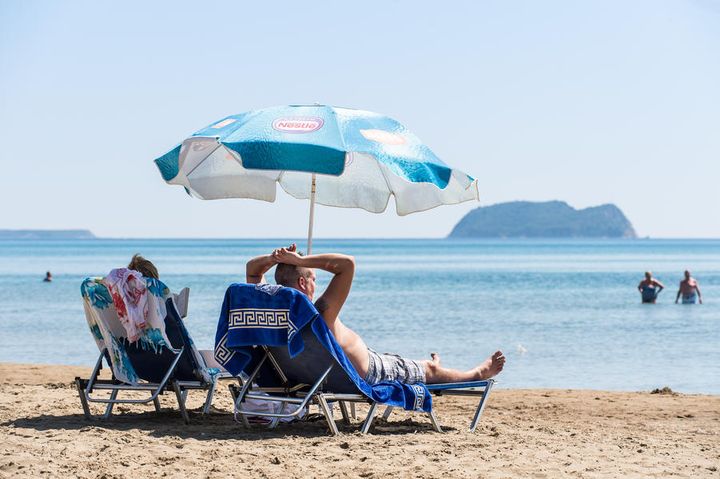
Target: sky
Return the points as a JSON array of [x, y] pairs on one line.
[[588, 102]]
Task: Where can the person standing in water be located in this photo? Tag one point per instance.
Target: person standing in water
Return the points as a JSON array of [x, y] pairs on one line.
[[650, 288], [689, 289], [48, 277]]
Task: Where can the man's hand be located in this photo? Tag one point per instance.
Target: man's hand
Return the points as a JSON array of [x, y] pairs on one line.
[[287, 255], [257, 267], [342, 268]]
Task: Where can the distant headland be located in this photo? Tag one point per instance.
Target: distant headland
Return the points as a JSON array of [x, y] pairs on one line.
[[46, 234], [549, 219]]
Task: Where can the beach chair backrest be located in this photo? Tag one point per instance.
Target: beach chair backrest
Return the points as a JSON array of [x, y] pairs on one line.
[[259, 318], [150, 357], [307, 366]]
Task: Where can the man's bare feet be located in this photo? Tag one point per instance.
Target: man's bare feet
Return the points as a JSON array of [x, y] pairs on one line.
[[491, 366], [435, 358]]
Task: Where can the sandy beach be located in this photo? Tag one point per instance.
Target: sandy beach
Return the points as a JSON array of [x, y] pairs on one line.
[[524, 433]]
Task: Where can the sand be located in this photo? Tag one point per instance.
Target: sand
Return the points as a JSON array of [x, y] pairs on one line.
[[523, 433]]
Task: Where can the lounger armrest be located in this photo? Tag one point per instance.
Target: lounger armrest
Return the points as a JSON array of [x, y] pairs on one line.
[[181, 300]]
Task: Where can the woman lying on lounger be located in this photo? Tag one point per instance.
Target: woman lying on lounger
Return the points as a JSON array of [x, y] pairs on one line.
[[297, 271]]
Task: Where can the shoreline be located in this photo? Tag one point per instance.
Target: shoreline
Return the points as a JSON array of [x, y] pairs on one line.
[[523, 432], [15, 373]]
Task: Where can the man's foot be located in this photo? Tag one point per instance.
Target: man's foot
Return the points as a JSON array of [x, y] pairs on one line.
[[435, 359], [491, 366]]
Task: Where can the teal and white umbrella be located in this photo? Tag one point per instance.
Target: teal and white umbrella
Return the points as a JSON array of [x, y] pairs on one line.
[[333, 156]]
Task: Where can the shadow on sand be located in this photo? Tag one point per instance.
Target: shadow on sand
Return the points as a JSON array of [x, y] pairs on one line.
[[216, 426]]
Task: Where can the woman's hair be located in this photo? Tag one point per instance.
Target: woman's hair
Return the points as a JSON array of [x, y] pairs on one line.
[[143, 266]]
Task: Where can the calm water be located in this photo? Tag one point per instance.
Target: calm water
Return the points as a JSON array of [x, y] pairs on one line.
[[566, 312]]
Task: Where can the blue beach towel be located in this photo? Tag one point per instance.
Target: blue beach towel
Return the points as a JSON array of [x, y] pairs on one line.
[[262, 315], [269, 315]]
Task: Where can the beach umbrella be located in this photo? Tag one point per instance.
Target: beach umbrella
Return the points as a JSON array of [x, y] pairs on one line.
[[332, 156]]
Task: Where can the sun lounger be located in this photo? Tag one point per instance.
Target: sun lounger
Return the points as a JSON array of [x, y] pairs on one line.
[[164, 359], [320, 374]]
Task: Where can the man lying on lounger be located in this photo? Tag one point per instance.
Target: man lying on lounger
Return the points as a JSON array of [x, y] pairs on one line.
[[296, 271]]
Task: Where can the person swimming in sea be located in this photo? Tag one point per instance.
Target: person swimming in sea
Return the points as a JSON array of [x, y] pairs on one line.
[[689, 289], [48, 277], [650, 288]]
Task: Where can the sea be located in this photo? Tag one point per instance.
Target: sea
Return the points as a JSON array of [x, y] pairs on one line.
[[566, 313]]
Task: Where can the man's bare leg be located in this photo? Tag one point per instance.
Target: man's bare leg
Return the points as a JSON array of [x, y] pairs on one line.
[[435, 373]]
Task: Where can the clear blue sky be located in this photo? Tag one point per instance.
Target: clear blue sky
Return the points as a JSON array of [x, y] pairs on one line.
[[589, 102]]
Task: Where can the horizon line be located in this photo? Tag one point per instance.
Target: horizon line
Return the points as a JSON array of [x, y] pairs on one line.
[[371, 238]]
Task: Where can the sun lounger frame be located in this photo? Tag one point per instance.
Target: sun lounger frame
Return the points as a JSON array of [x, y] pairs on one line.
[[172, 374], [85, 388], [324, 400]]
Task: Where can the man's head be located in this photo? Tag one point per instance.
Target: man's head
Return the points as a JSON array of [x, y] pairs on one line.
[[302, 279], [687, 274], [648, 275]]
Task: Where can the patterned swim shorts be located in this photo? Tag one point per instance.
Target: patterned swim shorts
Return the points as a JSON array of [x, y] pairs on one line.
[[391, 367]]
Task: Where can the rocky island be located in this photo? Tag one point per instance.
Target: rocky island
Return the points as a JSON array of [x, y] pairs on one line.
[[549, 219]]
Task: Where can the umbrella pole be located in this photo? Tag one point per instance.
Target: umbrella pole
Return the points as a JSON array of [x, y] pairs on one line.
[[312, 215]]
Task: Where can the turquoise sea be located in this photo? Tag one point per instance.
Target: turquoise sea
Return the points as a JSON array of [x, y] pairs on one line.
[[566, 312]]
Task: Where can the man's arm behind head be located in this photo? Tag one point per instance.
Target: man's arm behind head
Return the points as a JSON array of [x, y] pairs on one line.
[[334, 297], [340, 265]]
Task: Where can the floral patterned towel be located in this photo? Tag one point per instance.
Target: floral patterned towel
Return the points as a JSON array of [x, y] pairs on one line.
[[111, 335], [129, 295]]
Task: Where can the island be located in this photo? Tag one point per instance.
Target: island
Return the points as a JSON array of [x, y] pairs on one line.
[[549, 219], [46, 234]]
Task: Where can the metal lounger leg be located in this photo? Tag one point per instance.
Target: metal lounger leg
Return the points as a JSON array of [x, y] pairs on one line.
[[84, 392], [481, 406], [245, 385], [325, 408], [209, 398], [109, 407], [156, 402], [388, 411], [244, 420], [353, 412], [181, 401], [235, 393], [83, 399], [155, 392], [369, 419], [311, 395], [95, 372], [344, 412], [434, 421]]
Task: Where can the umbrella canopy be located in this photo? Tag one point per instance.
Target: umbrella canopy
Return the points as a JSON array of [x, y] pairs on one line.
[[357, 159]]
